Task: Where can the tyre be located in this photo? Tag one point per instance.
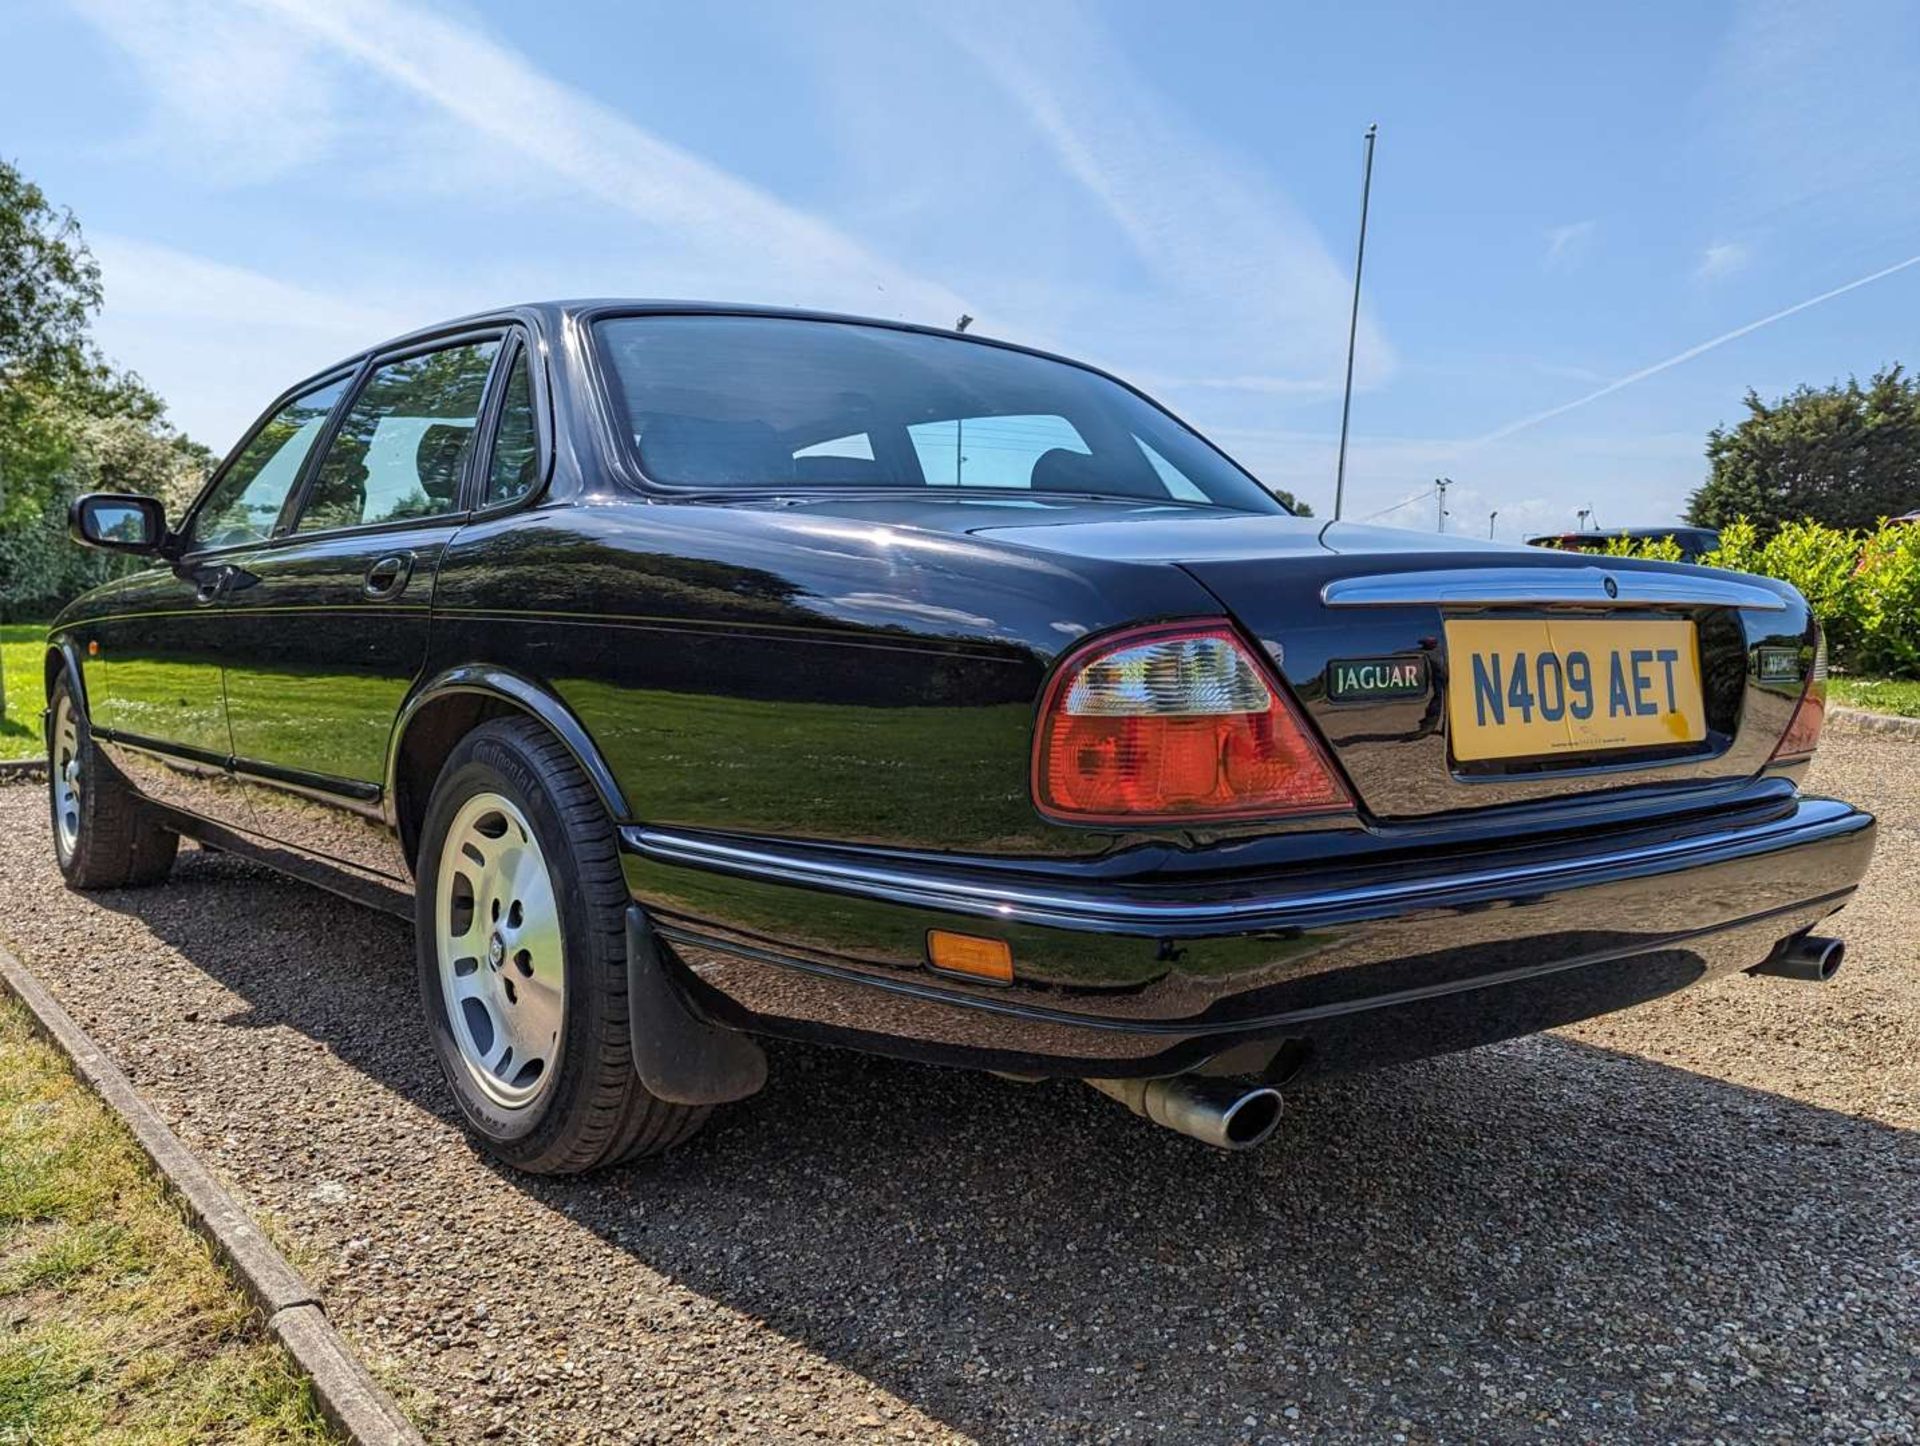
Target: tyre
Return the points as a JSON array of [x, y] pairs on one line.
[[104, 837], [520, 917]]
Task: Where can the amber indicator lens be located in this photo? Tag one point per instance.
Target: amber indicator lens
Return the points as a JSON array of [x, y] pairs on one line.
[[988, 959]]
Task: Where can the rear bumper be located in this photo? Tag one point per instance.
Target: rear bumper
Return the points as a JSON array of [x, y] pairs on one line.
[[1342, 966]]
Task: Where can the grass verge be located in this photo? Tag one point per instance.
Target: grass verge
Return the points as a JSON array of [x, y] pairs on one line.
[[1878, 695], [116, 1323], [22, 646]]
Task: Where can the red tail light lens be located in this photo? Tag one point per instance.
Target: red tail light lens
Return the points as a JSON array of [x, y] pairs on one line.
[[1803, 729], [1175, 725]]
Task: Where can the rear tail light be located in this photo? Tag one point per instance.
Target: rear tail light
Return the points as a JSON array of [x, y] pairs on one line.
[[1175, 724], [1803, 729]]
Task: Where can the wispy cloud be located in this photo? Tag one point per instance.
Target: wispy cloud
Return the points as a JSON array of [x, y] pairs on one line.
[[1567, 246], [257, 86], [164, 284], [1721, 259], [237, 98], [218, 340], [1212, 230], [1809, 121], [1678, 358]]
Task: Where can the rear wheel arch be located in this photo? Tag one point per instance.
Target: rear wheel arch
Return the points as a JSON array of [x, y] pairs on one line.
[[447, 709]]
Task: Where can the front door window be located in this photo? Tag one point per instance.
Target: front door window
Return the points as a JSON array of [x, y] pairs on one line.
[[246, 501]]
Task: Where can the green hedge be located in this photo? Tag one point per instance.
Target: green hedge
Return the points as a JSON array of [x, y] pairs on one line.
[[1863, 586]]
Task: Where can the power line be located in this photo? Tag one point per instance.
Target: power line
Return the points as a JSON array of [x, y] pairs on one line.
[[1404, 502]]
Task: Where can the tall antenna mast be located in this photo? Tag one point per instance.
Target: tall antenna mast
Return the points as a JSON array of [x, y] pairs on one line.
[[1353, 328]]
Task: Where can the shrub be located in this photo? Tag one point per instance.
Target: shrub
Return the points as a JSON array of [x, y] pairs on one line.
[[1888, 591], [1863, 587], [1661, 549], [1822, 562]]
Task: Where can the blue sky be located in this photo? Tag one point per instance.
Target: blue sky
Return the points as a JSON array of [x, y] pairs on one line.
[[1565, 198]]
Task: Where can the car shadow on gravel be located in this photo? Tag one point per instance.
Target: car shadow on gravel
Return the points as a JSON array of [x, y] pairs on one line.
[[1498, 1237]]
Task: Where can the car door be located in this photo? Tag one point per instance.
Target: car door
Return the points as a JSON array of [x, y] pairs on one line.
[[152, 660], [326, 624]]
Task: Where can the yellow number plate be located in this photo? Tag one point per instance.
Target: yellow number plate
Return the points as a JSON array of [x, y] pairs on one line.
[[1526, 689]]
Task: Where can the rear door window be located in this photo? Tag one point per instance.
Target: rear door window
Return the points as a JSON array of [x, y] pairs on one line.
[[516, 440], [402, 448], [246, 502]]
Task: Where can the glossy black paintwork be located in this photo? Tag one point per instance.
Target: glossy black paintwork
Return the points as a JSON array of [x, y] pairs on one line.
[[859, 671]]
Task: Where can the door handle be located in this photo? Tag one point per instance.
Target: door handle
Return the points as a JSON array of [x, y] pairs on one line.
[[388, 577]]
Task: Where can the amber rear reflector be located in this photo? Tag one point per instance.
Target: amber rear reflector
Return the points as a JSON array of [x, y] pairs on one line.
[[988, 959]]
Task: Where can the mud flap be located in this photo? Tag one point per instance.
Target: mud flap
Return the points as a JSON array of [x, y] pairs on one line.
[[679, 1055]]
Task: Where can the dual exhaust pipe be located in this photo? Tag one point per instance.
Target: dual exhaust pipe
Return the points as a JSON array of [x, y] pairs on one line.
[[1220, 1113], [1232, 1116]]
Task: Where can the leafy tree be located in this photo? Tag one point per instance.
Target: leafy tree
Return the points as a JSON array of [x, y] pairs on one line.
[[49, 284], [1843, 456], [69, 421]]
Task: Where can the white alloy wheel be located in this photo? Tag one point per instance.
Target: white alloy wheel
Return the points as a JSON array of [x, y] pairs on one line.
[[501, 958], [65, 776]]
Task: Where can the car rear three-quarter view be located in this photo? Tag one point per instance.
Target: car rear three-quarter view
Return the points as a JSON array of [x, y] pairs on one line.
[[693, 674]]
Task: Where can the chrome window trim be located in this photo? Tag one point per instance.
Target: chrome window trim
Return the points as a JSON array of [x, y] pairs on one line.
[[1592, 587]]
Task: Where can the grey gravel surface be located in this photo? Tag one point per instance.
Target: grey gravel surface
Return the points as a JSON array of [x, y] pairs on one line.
[[1697, 1221]]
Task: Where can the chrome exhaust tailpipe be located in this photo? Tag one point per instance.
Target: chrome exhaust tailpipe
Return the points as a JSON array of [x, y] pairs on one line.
[[1220, 1113], [1813, 958]]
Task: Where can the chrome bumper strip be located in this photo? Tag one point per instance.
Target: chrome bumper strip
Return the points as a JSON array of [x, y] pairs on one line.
[[1813, 820]]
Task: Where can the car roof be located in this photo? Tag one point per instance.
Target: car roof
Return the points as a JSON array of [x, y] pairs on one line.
[[553, 313]]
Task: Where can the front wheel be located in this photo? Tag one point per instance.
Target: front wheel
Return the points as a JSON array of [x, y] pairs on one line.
[[103, 837], [520, 918]]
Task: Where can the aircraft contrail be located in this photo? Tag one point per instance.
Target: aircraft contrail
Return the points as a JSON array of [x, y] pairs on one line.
[[1688, 355]]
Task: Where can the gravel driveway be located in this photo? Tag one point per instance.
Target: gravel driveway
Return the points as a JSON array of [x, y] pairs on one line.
[[1696, 1221]]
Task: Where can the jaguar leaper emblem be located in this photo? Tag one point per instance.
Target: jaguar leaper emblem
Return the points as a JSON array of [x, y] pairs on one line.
[[1353, 680]]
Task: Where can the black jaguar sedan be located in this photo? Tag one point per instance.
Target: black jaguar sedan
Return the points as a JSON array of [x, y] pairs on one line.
[[692, 674]]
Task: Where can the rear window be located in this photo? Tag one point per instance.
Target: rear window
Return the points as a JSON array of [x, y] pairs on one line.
[[714, 402]]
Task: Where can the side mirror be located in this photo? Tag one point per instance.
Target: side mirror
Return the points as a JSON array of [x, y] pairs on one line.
[[118, 522]]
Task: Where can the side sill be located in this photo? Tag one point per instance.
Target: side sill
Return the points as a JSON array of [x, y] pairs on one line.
[[371, 890]]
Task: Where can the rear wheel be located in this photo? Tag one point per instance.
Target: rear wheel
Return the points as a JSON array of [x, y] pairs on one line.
[[103, 836], [520, 917]]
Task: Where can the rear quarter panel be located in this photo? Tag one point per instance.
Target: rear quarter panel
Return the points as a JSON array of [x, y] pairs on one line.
[[746, 670]]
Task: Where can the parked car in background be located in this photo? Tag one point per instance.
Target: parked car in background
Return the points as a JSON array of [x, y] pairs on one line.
[[1694, 542], [689, 674]]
